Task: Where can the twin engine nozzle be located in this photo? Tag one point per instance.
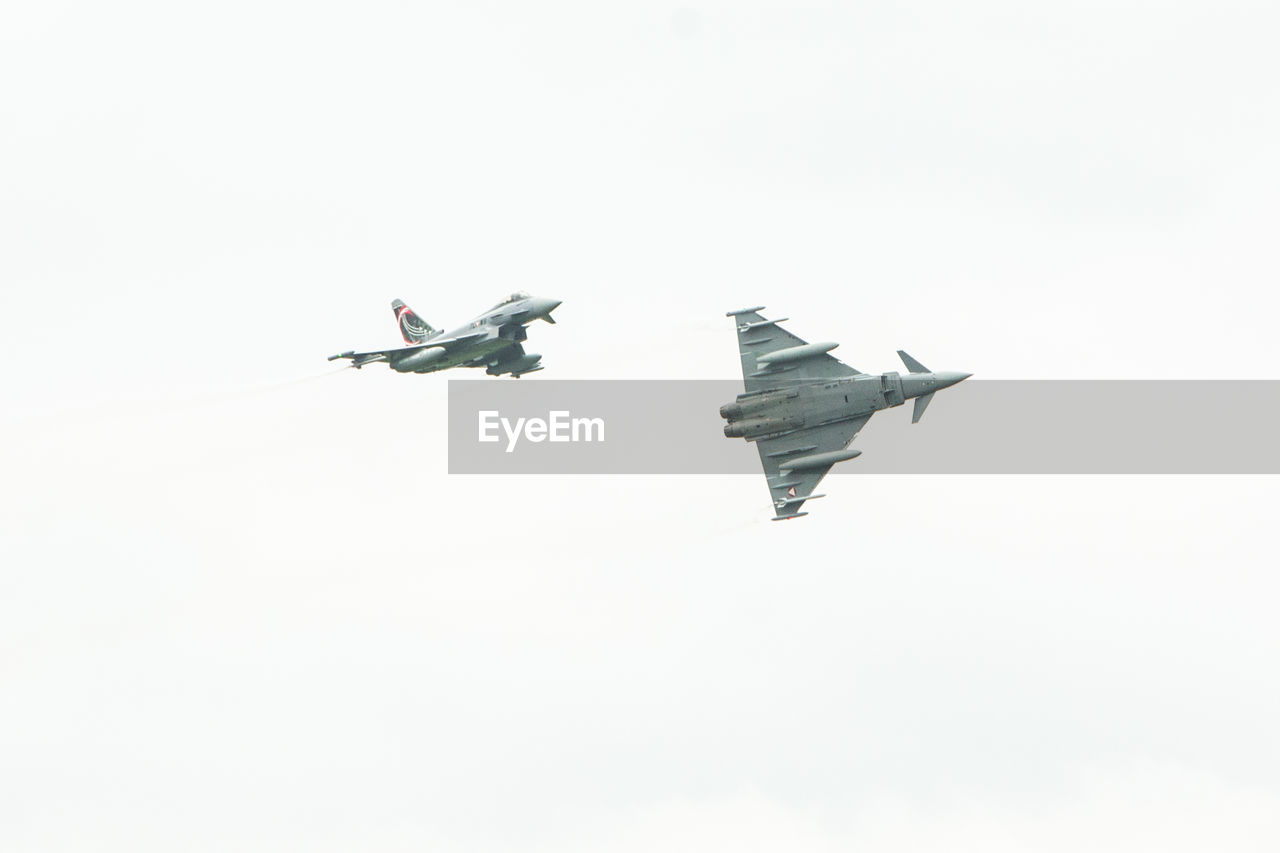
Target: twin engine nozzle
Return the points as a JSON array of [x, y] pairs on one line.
[[752, 427], [747, 416], [750, 404]]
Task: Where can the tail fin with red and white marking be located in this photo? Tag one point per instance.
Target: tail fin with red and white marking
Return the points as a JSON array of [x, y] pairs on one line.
[[412, 327]]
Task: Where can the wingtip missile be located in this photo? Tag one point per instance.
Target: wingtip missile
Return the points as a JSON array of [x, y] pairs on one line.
[[798, 499]]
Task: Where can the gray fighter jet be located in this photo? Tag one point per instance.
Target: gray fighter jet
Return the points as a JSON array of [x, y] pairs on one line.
[[492, 340], [803, 406]]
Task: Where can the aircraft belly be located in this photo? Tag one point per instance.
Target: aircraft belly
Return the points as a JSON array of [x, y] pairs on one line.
[[476, 351], [842, 404], [484, 349]]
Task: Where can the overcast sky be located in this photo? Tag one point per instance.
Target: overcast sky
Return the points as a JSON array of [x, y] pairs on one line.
[[242, 605]]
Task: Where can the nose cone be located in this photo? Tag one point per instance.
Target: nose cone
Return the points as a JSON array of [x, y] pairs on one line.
[[947, 378], [542, 307]]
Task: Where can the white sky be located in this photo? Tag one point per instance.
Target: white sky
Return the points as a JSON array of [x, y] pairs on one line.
[[243, 607]]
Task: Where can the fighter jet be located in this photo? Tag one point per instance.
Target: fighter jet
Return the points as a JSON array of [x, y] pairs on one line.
[[492, 340], [803, 406]]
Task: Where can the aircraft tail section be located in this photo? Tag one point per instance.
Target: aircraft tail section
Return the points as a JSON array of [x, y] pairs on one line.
[[412, 328]]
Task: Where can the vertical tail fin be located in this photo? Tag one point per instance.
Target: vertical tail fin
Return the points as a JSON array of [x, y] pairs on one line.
[[412, 327]]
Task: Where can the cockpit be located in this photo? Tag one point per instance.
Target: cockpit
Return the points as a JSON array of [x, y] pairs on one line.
[[515, 297]]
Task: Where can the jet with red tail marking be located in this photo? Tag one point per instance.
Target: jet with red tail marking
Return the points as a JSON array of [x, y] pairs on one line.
[[494, 340]]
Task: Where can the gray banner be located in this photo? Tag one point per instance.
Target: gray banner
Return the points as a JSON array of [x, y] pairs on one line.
[[977, 427]]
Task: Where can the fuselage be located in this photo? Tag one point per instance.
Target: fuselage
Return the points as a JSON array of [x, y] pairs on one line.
[[809, 404], [483, 340]]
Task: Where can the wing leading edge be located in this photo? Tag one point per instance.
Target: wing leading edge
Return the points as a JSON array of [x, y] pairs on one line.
[[758, 337], [359, 359]]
